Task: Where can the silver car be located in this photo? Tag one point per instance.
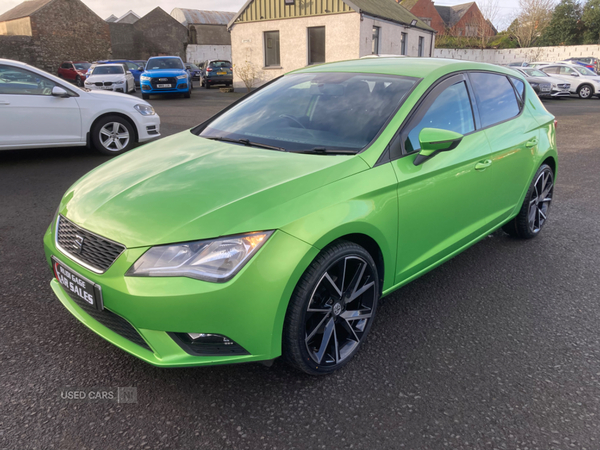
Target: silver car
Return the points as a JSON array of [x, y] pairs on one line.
[[584, 82], [543, 84]]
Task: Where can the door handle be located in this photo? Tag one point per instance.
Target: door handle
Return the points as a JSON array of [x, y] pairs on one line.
[[532, 143], [482, 165]]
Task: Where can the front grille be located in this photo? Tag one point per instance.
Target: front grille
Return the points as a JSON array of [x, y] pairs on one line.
[[111, 321], [563, 86], [100, 84], [164, 80], [85, 247]]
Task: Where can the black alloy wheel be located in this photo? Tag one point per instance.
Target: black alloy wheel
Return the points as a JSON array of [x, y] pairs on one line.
[[332, 309]]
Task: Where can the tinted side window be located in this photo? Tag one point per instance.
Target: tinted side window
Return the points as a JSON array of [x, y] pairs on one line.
[[553, 69], [495, 97], [16, 81], [565, 70], [451, 110]]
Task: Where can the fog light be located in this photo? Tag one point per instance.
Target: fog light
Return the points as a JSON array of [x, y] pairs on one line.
[[207, 344]]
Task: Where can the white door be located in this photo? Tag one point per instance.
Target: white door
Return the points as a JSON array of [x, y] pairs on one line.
[[31, 116]]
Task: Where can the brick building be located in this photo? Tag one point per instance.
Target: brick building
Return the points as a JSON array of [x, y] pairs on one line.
[[45, 33], [465, 19]]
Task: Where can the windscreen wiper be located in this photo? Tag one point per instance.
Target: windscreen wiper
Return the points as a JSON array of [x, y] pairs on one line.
[[326, 151], [246, 142]]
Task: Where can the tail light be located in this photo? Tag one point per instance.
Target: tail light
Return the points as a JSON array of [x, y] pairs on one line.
[[555, 123], [209, 69]]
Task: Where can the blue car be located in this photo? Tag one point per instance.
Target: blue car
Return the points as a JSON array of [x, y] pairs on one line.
[[166, 75], [135, 68], [195, 71]]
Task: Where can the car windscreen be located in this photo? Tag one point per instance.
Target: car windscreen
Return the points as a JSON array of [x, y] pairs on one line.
[[535, 73], [164, 63], [193, 67], [300, 112], [82, 66], [108, 70], [217, 64]]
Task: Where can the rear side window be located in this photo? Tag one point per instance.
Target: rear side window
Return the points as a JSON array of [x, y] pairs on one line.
[[552, 69], [520, 88], [496, 98]]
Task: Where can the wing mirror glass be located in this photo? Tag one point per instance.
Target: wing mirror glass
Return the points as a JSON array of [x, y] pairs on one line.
[[57, 91], [435, 140], [574, 74]]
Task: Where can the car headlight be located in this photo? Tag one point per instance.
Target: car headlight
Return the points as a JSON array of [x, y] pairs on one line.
[[215, 260], [119, 82], [144, 78], [182, 77], [145, 110]]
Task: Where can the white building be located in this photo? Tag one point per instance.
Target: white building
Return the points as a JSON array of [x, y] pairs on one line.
[[277, 36]]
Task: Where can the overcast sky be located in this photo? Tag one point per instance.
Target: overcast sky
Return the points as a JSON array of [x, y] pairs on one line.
[[105, 8]]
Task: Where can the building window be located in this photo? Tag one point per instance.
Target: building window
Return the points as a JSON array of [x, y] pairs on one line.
[[403, 39], [316, 45], [272, 49], [421, 45], [375, 41]]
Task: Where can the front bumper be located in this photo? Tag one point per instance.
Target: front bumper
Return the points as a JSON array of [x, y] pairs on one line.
[[148, 126], [214, 80], [249, 309], [181, 87]]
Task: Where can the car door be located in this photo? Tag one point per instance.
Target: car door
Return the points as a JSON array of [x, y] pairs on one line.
[[443, 201], [31, 116], [565, 74], [513, 135]]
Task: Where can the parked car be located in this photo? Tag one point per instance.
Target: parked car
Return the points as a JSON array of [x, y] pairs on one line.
[[590, 62], [58, 114], [134, 67], [111, 77], [543, 84], [74, 71], [166, 75], [584, 82], [518, 64], [276, 226], [194, 70], [216, 72]]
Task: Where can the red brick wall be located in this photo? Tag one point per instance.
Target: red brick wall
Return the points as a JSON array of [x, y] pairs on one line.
[[425, 9]]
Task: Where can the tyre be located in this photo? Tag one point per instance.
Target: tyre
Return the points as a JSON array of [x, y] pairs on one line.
[[78, 81], [534, 212], [113, 135], [331, 310], [585, 91], [146, 96], [206, 85], [134, 90], [188, 94]]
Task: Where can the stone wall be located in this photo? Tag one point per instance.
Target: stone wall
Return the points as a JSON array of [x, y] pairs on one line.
[[122, 41], [506, 56], [20, 48], [67, 30], [156, 34], [209, 35]]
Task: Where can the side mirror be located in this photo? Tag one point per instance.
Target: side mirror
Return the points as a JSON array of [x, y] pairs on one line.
[[435, 140], [129, 72], [57, 91], [574, 74]]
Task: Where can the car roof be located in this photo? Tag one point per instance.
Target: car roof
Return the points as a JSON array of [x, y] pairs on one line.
[[111, 65], [408, 66]]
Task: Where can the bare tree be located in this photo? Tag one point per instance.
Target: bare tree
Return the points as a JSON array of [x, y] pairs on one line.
[[247, 73], [532, 18]]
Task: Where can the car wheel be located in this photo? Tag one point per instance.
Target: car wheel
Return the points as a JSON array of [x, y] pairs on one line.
[[113, 135], [134, 90], [188, 94], [331, 310], [78, 81], [534, 210], [206, 85], [585, 91], [146, 96]]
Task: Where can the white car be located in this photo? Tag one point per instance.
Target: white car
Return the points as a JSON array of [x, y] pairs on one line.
[[584, 82], [38, 109], [111, 77]]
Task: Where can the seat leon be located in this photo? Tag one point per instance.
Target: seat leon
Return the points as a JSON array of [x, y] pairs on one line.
[[274, 228]]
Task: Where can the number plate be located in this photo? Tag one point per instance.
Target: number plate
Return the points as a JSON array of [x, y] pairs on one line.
[[77, 285], [545, 89], [221, 73], [163, 85]]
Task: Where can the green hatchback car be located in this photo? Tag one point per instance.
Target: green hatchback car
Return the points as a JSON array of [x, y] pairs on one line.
[[276, 226]]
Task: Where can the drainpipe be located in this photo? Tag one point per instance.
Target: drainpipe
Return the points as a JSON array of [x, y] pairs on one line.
[[431, 46]]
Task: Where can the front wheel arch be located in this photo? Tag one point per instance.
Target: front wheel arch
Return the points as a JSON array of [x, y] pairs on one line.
[[124, 116]]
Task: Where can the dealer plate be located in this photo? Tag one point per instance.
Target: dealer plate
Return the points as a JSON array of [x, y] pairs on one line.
[[163, 85], [77, 285]]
